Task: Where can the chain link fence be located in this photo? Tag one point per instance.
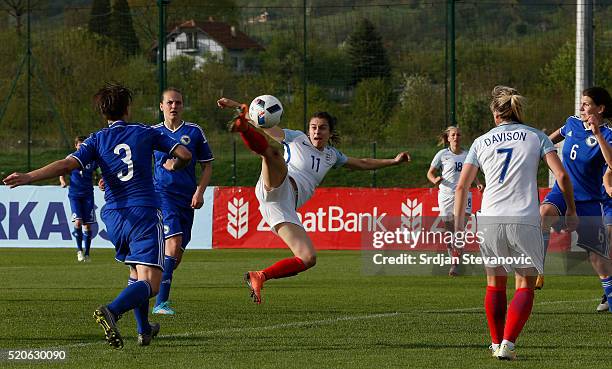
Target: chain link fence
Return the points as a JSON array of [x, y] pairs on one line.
[[381, 67]]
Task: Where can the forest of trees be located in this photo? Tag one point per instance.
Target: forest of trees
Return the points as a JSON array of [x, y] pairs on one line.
[[380, 69]]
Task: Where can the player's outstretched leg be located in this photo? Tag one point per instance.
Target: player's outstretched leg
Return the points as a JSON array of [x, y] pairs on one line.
[[108, 321], [305, 257]]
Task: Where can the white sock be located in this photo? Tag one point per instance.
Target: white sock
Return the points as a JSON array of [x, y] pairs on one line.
[[509, 344], [494, 346]]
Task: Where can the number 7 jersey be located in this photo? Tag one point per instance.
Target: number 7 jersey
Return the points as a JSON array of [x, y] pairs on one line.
[[124, 153], [509, 155]]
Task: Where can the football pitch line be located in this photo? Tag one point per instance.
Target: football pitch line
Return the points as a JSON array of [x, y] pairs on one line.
[[322, 322]]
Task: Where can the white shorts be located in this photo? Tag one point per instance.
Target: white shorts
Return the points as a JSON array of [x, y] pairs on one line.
[[446, 204], [277, 205], [521, 242]]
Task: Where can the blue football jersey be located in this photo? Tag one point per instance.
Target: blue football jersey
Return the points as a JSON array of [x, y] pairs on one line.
[[583, 160], [81, 184], [180, 185], [123, 151]]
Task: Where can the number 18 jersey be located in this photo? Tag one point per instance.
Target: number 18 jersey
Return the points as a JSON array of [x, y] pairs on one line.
[[124, 153], [509, 155]]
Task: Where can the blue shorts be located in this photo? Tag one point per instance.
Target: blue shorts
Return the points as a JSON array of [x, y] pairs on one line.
[[177, 221], [137, 235], [591, 230], [83, 209]]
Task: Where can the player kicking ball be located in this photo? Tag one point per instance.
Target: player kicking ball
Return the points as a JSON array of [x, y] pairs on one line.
[[288, 181]]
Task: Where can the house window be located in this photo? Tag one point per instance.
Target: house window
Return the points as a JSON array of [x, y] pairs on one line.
[[191, 41]]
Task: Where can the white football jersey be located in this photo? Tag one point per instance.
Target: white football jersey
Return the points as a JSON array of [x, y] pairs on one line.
[[306, 164], [450, 165], [509, 155]]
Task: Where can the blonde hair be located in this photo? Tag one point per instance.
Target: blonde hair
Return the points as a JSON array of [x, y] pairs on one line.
[[507, 103], [443, 137]]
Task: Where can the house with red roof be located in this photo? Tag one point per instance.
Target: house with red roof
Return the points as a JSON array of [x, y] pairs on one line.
[[209, 40]]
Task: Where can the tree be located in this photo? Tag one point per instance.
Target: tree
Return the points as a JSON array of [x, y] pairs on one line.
[[17, 8], [372, 107], [122, 28], [99, 20], [368, 56]]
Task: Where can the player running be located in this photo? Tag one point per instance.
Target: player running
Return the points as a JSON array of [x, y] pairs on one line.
[[508, 155], [123, 151], [449, 162], [286, 183], [586, 155], [81, 196], [179, 192]]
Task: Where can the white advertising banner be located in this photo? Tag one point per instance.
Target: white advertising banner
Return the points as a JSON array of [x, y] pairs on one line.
[[40, 216]]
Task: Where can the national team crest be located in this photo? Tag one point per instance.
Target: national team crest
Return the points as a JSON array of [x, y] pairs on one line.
[[185, 140], [166, 229], [591, 141]]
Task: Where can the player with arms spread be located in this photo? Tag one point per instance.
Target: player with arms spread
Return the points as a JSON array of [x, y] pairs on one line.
[[508, 155], [123, 152], [288, 181]]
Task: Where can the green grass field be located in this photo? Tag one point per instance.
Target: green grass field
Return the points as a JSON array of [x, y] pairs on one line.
[[330, 317]]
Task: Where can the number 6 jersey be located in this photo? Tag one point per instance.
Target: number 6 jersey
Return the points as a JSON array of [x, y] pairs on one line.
[[509, 155], [306, 164], [124, 153]]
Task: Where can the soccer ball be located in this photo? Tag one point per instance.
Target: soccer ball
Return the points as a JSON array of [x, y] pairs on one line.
[[265, 111]]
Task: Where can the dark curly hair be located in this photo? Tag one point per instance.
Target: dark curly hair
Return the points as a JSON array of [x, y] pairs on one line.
[[112, 101]]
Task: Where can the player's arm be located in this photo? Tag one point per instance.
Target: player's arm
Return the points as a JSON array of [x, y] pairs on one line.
[[606, 150], [433, 176], [468, 174], [565, 185], [55, 169], [198, 197], [181, 157], [556, 136], [370, 164], [63, 181]]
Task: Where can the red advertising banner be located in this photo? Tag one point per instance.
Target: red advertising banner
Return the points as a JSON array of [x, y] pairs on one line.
[[334, 217]]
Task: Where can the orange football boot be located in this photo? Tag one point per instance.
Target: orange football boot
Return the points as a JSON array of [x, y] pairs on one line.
[[255, 281]]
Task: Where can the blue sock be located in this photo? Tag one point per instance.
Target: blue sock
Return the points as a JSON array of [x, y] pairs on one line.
[[77, 233], [607, 286], [132, 296], [141, 313], [164, 288], [87, 239]]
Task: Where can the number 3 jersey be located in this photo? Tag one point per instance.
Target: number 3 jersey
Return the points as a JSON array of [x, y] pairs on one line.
[[124, 153], [509, 155], [308, 165], [583, 160]]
